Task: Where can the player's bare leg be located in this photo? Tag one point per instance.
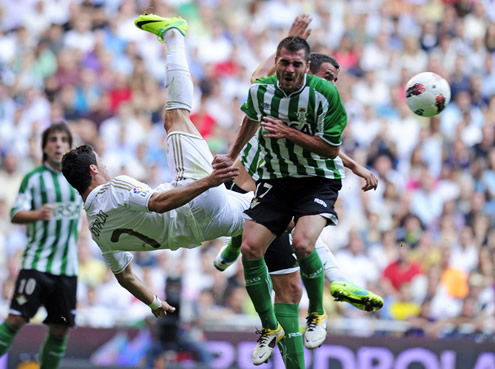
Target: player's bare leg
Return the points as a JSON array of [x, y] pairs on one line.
[[178, 120], [244, 179]]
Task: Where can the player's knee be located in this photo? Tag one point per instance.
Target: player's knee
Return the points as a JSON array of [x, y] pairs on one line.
[[250, 251], [58, 330], [302, 247]]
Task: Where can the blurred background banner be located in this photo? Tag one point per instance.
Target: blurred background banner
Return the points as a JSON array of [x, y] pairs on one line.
[[118, 348]]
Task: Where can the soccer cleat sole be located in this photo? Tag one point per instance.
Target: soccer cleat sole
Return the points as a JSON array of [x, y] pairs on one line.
[[367, 303]]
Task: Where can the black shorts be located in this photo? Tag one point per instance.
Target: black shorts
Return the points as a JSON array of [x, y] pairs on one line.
[[57, 293], [277, 201], [280, 254]]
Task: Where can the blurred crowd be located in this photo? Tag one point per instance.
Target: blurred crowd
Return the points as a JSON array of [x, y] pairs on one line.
[[425, 239]]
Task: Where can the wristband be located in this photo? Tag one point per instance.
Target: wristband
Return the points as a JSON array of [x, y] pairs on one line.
[[156, 303]]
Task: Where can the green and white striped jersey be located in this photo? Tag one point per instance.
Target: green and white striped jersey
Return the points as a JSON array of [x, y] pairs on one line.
[[315, 109], [251, 156], [51, 244]]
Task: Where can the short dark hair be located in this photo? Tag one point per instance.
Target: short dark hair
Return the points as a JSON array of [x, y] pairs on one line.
[[294, 43], [75, 167], [55, 127], [317, 60]]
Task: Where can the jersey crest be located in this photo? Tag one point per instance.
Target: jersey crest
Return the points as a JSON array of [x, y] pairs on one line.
[[302, 115]]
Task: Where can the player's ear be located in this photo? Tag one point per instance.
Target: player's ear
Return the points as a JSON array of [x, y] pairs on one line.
[[307, 67], [93, 169]]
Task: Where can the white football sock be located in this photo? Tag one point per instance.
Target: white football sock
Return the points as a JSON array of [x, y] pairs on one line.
[[332, 270], [179, 82]]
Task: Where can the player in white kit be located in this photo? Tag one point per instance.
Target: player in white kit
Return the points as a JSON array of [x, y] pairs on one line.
[[127, 215]]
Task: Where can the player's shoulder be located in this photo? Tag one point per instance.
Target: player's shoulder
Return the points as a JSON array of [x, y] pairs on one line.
[[124, 178], [34, 173], [266, 80], [321, 85], [127, 183], [37, 170]]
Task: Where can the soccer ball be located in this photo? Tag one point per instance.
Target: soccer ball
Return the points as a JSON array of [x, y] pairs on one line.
[[427, 94]]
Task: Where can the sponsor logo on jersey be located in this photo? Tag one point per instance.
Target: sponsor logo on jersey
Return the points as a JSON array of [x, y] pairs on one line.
[[66, 210], [97, 226], [321, 202], [303, 126], [140, 191]]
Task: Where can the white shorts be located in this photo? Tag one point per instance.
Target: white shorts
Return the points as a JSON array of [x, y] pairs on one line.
[[218, 211], [188, 156]]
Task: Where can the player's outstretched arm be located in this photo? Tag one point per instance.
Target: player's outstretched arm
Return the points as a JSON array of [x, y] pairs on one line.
[[298, 28], [136, 287], [248, 129], [161, 202], [371, 182], [29, 216]]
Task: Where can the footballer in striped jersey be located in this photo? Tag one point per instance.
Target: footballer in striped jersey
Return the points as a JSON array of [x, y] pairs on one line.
[[50, 208]]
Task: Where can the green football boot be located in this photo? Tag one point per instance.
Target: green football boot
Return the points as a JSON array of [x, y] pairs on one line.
[[357, 296], [159, 25]]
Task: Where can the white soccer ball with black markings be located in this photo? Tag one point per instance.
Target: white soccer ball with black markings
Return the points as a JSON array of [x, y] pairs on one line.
[[427, 94]]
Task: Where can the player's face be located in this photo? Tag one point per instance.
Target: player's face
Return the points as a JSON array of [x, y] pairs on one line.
[[102, 168], [328, 71], [56, 146], [291, 67]]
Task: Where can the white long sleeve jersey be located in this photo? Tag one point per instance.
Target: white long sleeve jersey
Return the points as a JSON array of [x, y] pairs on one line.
[[120, 221]]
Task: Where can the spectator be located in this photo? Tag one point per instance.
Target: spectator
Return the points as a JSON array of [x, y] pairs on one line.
[[355, 262], [400, 271], [464, 255]]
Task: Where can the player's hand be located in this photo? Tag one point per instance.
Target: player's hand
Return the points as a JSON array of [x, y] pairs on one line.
[[371, 182], [222, 174], [163, 310], [222, 161], [275, 127], [46, 212], [300, 26]]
